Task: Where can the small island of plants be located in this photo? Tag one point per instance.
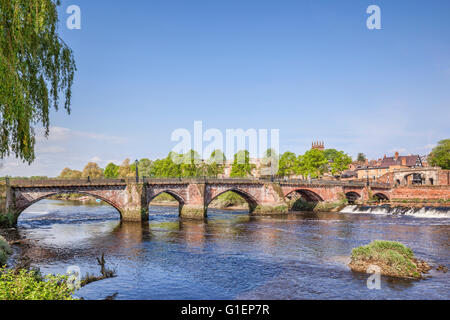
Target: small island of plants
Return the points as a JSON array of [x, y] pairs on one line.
[[393, 258]]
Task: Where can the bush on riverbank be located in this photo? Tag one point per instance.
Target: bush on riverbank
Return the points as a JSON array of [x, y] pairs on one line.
[[30, 285], [5, 251], [7, 220], [303, 205], [393, 258]]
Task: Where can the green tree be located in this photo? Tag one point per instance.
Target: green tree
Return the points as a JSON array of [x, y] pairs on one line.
[[191, 164], [269, 163], [440, 155], [288, 165], [35, 67], [340, 162], [169, 167], [216, 163], [313, 163], [92, 170], [144, 167], [241, 165], [111, 171], [330, 154], [125, 169], [70, 174], [361, 157], [65, 173]]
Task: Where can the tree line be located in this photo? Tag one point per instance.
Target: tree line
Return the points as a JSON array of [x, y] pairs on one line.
[[313, 163]]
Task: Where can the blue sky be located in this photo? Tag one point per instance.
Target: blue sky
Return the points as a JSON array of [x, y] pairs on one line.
[[309, 68]]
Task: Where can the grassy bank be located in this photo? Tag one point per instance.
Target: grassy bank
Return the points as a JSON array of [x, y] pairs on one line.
[[393, 258]]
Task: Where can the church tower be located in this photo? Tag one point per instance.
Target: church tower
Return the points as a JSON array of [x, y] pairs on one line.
[[319, 145]]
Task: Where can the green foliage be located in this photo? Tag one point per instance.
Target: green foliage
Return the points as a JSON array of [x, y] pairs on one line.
[[288, 164], [8, 220], [216, 164], [313, 163], [241, 165], [361, 157], [191, 164], [229, 199], [269, 163], [111, 171], [126, 170], [440, 156], [5, 251], [169, 167], [391, 253], [164, 197], [340, 162], [70, 174], [30, 285], [92, 170], [144, 167], [330, 154], [35, 67]]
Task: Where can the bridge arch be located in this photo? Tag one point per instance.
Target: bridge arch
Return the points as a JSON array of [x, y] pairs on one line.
[[50, 194], [306, 194], [251, 200], [174, 194], [352, 196], [381, 196]]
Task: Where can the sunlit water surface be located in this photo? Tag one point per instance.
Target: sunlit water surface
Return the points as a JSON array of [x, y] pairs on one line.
[[231, 255]]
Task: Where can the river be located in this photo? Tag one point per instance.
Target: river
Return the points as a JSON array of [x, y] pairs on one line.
[[232, 255]]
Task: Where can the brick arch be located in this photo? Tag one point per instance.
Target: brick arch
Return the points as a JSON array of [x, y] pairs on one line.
[[381, 196], [309, 195], [174, 194], [44, 195], [352, 196], [251, 200]]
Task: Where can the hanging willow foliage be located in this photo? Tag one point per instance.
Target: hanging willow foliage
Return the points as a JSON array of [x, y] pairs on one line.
[[35, 67]]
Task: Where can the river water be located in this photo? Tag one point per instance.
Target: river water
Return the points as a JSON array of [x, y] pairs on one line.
[[231, 255]]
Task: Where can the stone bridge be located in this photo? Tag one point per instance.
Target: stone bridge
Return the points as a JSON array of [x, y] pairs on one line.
[[132, 198]]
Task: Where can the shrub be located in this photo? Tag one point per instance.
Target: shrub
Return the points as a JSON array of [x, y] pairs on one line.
[[8, 220], [30, 285], [5, 250]]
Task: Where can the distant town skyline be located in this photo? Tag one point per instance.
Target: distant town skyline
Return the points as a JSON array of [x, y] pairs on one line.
[[311, 69]]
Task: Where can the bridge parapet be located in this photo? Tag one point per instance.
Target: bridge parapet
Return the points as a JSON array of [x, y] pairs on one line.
[[17, 183]]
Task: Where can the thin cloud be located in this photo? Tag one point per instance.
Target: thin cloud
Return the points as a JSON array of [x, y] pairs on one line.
[[64, 134]]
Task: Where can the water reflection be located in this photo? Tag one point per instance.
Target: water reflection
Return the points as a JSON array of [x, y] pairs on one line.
[[230, 255]]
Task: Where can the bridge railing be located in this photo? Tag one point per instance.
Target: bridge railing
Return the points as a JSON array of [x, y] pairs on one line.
[[67, 182]]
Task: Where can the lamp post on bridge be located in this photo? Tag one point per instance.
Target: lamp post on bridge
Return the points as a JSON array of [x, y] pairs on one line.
[[137, 171], [367, 170]]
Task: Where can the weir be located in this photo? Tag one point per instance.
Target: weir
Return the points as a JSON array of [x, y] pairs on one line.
[[423, 212]]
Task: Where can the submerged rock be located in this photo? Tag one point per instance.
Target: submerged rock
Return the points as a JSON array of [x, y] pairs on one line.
[[393, 258]]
